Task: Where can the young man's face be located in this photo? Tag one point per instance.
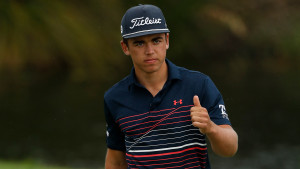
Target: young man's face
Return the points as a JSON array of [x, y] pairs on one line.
[[148, 52]]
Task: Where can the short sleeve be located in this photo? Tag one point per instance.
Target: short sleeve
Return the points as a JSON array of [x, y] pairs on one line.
[[115, 139], [214, 103]]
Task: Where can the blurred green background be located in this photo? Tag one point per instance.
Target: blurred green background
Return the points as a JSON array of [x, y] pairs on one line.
[[57, 58]]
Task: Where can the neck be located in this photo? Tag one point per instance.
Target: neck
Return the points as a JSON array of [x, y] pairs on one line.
[[153, 81]]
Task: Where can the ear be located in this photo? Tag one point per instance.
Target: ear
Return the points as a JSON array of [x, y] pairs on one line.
[[167, 41], [125, 48]]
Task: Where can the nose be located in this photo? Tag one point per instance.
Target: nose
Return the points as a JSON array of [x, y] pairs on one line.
[[149, 49]]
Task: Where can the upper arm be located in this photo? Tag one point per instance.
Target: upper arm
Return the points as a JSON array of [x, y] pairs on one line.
[[228, 127], [115, 159], [225, 126], [115, 137]]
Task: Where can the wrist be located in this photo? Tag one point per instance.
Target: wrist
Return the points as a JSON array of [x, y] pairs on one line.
[[212, 128]]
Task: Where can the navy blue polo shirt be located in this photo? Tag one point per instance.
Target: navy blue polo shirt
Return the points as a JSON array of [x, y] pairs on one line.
[[157, 132]]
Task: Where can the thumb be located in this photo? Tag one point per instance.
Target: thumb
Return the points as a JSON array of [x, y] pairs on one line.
[[196, 101]]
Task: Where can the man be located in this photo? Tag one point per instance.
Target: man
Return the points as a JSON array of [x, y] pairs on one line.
[[159, 115]]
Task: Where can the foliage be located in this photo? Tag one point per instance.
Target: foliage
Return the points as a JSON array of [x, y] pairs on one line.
[[50, 37], [29, 164]]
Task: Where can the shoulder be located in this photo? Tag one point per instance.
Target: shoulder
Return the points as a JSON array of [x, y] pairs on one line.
[[196, 81], [120, 86], [192, 75]]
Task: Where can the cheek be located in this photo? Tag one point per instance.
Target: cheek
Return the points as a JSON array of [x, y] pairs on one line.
[[162, 51], [135, 53], [136, 57]]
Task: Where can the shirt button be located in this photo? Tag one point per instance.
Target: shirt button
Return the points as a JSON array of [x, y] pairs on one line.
[[151, 106]]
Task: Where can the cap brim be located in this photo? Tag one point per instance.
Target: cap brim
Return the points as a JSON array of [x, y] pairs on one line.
[[145, 32]]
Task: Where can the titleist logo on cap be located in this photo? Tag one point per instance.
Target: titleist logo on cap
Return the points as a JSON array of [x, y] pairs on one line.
[[147, 21]]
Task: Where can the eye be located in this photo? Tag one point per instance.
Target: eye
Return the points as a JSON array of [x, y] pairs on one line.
[[157, 41], [138, 43]]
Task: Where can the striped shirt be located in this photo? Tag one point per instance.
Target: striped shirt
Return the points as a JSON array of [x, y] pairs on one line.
[[157, 132]]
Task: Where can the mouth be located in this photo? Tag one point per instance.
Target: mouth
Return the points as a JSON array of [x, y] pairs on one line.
[[150, 61]]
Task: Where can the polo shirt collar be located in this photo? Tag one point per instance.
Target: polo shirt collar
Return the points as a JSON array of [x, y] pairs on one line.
[[173, 71], [173, 74]]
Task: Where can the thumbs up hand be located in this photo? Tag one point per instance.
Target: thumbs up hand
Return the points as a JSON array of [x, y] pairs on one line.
[[200, 117]]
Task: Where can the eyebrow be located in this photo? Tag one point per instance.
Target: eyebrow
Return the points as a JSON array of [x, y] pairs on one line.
[[138, 41], [157, 38]]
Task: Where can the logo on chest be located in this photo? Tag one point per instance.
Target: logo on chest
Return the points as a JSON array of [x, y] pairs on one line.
[[176, 102]]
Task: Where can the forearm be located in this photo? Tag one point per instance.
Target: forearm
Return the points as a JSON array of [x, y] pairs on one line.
[[223, 140], [115, 166], [115, 160]]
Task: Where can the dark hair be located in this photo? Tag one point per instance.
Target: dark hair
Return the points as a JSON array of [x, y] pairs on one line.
[[125, 41]]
